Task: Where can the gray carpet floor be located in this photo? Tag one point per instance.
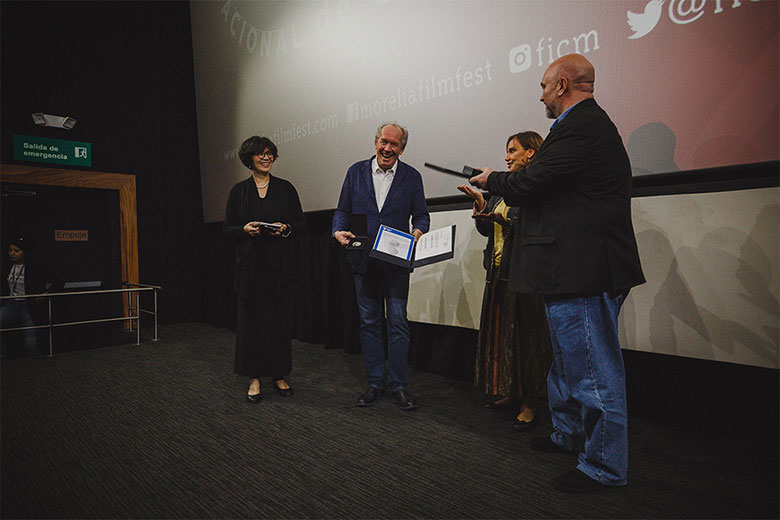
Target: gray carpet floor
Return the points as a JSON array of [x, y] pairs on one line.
[[163, 430]]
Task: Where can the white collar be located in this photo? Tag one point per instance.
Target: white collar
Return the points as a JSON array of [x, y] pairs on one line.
[[375, 167]]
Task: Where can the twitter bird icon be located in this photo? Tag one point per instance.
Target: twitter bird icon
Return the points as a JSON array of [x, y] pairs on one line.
[[645, 22]]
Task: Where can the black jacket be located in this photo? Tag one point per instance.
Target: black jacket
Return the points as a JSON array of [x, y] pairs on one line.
[[575, 234], [268, 257]]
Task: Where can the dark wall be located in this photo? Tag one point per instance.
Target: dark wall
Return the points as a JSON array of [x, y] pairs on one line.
[[124, 71]]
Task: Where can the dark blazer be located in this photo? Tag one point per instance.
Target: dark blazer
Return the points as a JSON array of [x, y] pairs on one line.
[[486, 229], [575, 234], [277, 253], [405, 199]]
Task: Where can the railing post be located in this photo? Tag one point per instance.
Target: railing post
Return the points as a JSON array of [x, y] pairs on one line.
[[155, 314], [51, 346], [129, 308], [137, 318], [126, 318]]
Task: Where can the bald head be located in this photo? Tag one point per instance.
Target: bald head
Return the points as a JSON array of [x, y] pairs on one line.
[[567, 81]]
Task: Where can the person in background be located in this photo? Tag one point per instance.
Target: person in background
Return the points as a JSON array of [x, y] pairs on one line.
[[262, 213], [388, 192], [513, 350], [24, 277]]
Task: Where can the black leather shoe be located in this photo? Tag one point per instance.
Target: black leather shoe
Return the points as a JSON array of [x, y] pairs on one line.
[[575, 481], [404, 400], [546, 445], [370, 397], [284, 392], [255, 398], [524, 426]]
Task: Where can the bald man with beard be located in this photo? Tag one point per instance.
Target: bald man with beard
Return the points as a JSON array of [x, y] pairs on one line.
[[576, 247]]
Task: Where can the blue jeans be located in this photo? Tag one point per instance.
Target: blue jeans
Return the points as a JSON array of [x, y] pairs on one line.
[[378, 293], [17, 314], [586, 385]]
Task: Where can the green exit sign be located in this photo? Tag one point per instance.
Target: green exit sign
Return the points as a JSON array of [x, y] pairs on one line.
[[55, 151]]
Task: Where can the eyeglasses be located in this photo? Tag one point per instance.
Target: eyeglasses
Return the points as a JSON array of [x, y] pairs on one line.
[[265, 155]]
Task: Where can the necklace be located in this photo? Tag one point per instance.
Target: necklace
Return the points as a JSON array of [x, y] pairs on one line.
[[260, 187], [16, 275]]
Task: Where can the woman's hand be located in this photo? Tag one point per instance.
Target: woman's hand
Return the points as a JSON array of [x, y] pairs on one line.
[[492, 217], [279, 231], [475, 195], [252, 228], [501, 219]]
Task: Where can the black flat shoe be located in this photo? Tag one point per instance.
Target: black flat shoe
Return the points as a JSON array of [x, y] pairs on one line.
[[502, 407], [284, 392], [255, 398], [523, 426]]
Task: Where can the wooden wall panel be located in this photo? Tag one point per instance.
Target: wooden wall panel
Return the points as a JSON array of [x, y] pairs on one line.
[[124, 184]]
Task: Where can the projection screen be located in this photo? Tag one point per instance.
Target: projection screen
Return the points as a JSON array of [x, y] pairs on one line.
[[689, 83]]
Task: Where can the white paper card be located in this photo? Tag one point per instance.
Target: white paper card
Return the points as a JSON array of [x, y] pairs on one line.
[[434, 243]]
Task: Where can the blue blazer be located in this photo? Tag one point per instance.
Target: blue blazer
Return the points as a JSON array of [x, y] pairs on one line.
[[405, 200]]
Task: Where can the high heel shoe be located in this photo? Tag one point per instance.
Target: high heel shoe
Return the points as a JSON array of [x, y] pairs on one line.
[[284, 392], [255, 398]]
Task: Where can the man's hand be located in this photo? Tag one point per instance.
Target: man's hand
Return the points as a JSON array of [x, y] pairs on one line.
[[342, 237], [417, 234], [480, 181]]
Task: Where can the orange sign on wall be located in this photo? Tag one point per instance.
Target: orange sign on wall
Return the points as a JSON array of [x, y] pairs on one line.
[[71, 235]]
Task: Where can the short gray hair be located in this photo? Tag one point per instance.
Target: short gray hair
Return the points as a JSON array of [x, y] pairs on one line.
[[404, 133]]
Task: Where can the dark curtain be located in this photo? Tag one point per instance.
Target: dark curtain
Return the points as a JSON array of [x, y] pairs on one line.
[[325, 306]]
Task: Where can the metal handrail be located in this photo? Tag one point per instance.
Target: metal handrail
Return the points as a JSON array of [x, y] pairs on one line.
[[129, 288]]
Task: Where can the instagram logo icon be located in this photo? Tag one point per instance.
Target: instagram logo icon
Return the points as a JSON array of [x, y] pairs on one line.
[[520, 58]]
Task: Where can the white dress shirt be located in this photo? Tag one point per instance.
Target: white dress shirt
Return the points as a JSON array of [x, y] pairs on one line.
[[382, 181]]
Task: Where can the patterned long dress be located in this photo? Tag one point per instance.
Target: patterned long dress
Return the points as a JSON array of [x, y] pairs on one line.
[[513, 351]]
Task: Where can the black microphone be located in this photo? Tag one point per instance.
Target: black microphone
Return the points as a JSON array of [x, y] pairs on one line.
[[467, 172], [471, 172]]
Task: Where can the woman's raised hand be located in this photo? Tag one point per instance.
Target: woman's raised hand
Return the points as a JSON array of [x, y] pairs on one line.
[[475, 195]]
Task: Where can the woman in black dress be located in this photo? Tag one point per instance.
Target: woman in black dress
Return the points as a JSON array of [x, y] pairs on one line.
[[262, 212]]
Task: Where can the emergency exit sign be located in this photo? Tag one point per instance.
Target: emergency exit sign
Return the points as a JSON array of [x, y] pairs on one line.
[[54, 151]]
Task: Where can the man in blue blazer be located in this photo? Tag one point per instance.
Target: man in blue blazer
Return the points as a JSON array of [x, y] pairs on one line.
[[386, 191], [576, 247]]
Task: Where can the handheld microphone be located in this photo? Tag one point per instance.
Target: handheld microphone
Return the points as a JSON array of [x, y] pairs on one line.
[[467, 172]]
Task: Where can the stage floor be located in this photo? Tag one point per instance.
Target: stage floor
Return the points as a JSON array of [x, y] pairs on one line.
[[163, 430]]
